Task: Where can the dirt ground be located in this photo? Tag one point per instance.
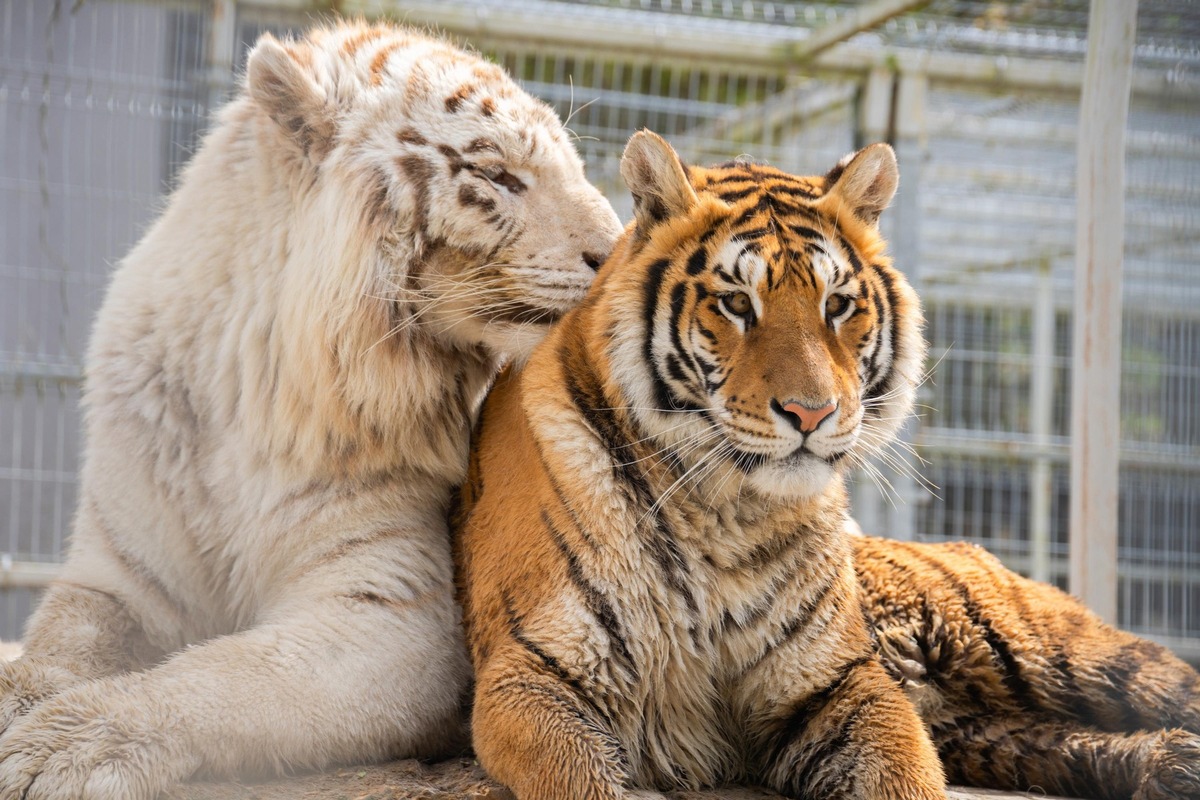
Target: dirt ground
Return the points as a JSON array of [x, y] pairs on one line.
[[459, 779]]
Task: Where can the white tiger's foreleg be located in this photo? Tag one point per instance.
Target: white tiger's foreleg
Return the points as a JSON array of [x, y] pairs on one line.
[[75, 635], [364, 672], [89, 624]]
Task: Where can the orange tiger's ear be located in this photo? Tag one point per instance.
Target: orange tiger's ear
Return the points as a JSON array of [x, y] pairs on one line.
[[866, 181], [290, 96], [656, 178]]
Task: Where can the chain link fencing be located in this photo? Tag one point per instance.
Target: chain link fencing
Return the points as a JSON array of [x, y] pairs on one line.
[[102, 102]]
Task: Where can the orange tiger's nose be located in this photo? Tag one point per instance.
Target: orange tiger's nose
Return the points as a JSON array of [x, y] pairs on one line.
[[810, 418]]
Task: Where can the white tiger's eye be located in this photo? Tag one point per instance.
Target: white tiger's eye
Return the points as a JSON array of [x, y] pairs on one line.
[[738, 303], [836, 305], [501, 177]]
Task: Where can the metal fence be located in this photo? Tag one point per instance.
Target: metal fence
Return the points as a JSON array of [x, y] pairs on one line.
[[101, 102]]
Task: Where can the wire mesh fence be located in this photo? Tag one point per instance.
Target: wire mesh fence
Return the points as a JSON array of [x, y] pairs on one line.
[[101, 103]]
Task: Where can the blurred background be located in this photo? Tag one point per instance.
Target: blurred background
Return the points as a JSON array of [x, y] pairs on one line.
[[102, 101]]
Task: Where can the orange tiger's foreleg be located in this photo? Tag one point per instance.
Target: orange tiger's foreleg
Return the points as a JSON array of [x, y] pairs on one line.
[[1029, 753], [859, 738], [539, 736]]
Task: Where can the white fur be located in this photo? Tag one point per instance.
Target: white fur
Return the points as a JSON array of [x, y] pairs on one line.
[[279, 392]]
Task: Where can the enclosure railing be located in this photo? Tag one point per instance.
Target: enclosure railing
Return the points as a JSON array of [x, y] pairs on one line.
[[102, 102]]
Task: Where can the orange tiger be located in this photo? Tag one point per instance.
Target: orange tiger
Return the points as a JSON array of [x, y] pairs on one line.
[[657, 585]]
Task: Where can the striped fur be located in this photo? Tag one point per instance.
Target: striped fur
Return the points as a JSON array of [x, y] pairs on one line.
[[1022, 686], [656, 586], [280, 387]]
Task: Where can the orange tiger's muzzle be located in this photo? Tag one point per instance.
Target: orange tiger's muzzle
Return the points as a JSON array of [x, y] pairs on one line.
[[790, 372]]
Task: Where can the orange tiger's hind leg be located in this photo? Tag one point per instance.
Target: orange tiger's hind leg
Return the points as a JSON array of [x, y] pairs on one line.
[[1028, 753], [1109, 679], [1119, 682]]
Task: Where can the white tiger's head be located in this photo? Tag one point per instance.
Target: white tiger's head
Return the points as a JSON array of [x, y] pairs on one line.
[[485, 225]]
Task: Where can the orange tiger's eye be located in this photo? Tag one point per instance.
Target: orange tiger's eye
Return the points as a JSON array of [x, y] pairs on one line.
[[739, 303], [836, 305]]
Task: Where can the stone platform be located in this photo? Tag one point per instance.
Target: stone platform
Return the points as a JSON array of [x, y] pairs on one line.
[[460, 779]]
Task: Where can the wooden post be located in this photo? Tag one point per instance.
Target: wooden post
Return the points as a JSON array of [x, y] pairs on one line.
[[222, 53], [905, 245], [860, 18], [874, 119], [1041, 424], [1099, 251]]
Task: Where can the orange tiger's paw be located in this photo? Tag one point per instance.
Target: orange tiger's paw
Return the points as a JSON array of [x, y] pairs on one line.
[[1172, 770], [921, 791]]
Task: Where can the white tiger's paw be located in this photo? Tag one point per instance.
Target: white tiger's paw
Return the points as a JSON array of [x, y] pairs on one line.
[[90, 742], [25, 683]]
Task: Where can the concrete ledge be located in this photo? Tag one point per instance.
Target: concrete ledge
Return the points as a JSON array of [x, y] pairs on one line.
[[459, 779]]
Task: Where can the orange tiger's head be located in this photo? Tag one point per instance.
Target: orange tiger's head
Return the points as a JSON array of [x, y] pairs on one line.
[[755, 319]]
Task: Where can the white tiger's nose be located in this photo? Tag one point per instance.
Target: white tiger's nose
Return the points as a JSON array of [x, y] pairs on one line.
[[802, 417], [593, 261]]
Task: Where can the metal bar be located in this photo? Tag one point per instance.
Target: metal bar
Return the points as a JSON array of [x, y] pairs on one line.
[[1024, 131], [1096, 362], [875, 107], [960, 442], [755, 121], [909, 113], [222, 50], [946, 287], [1018, 562], [62, 371], [1041, 415], [584, 30], [851, 23], [25, 574]]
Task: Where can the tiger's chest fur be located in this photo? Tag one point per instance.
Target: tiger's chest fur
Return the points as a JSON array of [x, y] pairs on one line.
[[664, 675], [670, 616]]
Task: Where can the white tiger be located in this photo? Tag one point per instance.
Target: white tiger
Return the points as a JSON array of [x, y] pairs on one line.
[[280, 386]]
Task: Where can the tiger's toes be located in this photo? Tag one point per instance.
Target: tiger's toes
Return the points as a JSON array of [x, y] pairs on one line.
[[1172, 770], [71, 747], [25, 683]]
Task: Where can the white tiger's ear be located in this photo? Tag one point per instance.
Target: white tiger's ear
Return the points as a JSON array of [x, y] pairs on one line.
[[656, 178], [866, 181], [290, 96]]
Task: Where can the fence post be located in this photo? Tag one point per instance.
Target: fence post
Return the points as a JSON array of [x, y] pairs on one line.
[[1041, 423], [910, 144], [222, 52], [873, 119], [1099, 250]]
